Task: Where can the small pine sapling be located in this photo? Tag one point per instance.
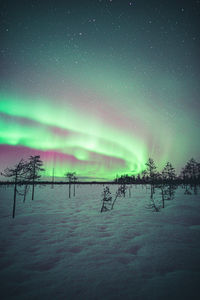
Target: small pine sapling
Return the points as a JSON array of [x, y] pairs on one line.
[[121, 191], [107, 199]]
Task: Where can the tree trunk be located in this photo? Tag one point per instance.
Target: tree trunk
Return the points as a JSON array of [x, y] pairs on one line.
[[74, 189], [25, 192], [114, 201], [102, 207], [33, 188], [151, 191], [163, 199], [52, 183], [69, 190], [15, 194]]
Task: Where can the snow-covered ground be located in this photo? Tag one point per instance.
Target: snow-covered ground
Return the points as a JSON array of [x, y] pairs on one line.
[[61, 248]]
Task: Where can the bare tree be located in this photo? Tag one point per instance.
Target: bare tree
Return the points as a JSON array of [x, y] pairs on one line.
[[26, 189], [34, 168], [153, 205], [18, 173], [70, 177]]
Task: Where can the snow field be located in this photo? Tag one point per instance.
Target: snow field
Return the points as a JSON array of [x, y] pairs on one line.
[[61, 248]]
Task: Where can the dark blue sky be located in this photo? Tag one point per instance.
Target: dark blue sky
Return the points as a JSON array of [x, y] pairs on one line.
[[137, 60]]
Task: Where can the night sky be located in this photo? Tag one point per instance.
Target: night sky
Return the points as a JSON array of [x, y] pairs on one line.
[[98, 86]]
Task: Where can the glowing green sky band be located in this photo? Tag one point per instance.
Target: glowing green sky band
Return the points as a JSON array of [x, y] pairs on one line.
[[88, 133]]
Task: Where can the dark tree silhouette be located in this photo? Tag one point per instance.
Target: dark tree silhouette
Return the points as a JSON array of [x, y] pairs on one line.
[[18, 173], [75, 180], [107, 199], [151, 170], [168, 184], [125, 179], [26, 189], [120, 191], [129, 191], [70, 177], [190, 172], [167, 191], [168, 173], [152, 173], [34, 168], [145, 177], [153, 205]]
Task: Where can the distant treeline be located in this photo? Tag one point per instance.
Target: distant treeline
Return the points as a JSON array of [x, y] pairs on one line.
[[29, 173], [190, 174]]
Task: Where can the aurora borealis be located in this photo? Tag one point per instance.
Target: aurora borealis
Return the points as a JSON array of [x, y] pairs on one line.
[[97, 87]]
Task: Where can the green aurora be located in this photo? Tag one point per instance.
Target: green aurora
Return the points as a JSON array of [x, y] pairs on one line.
[[81, 137]]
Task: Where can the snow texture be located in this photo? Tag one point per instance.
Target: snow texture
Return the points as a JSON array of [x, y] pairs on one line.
[[61, 248]]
